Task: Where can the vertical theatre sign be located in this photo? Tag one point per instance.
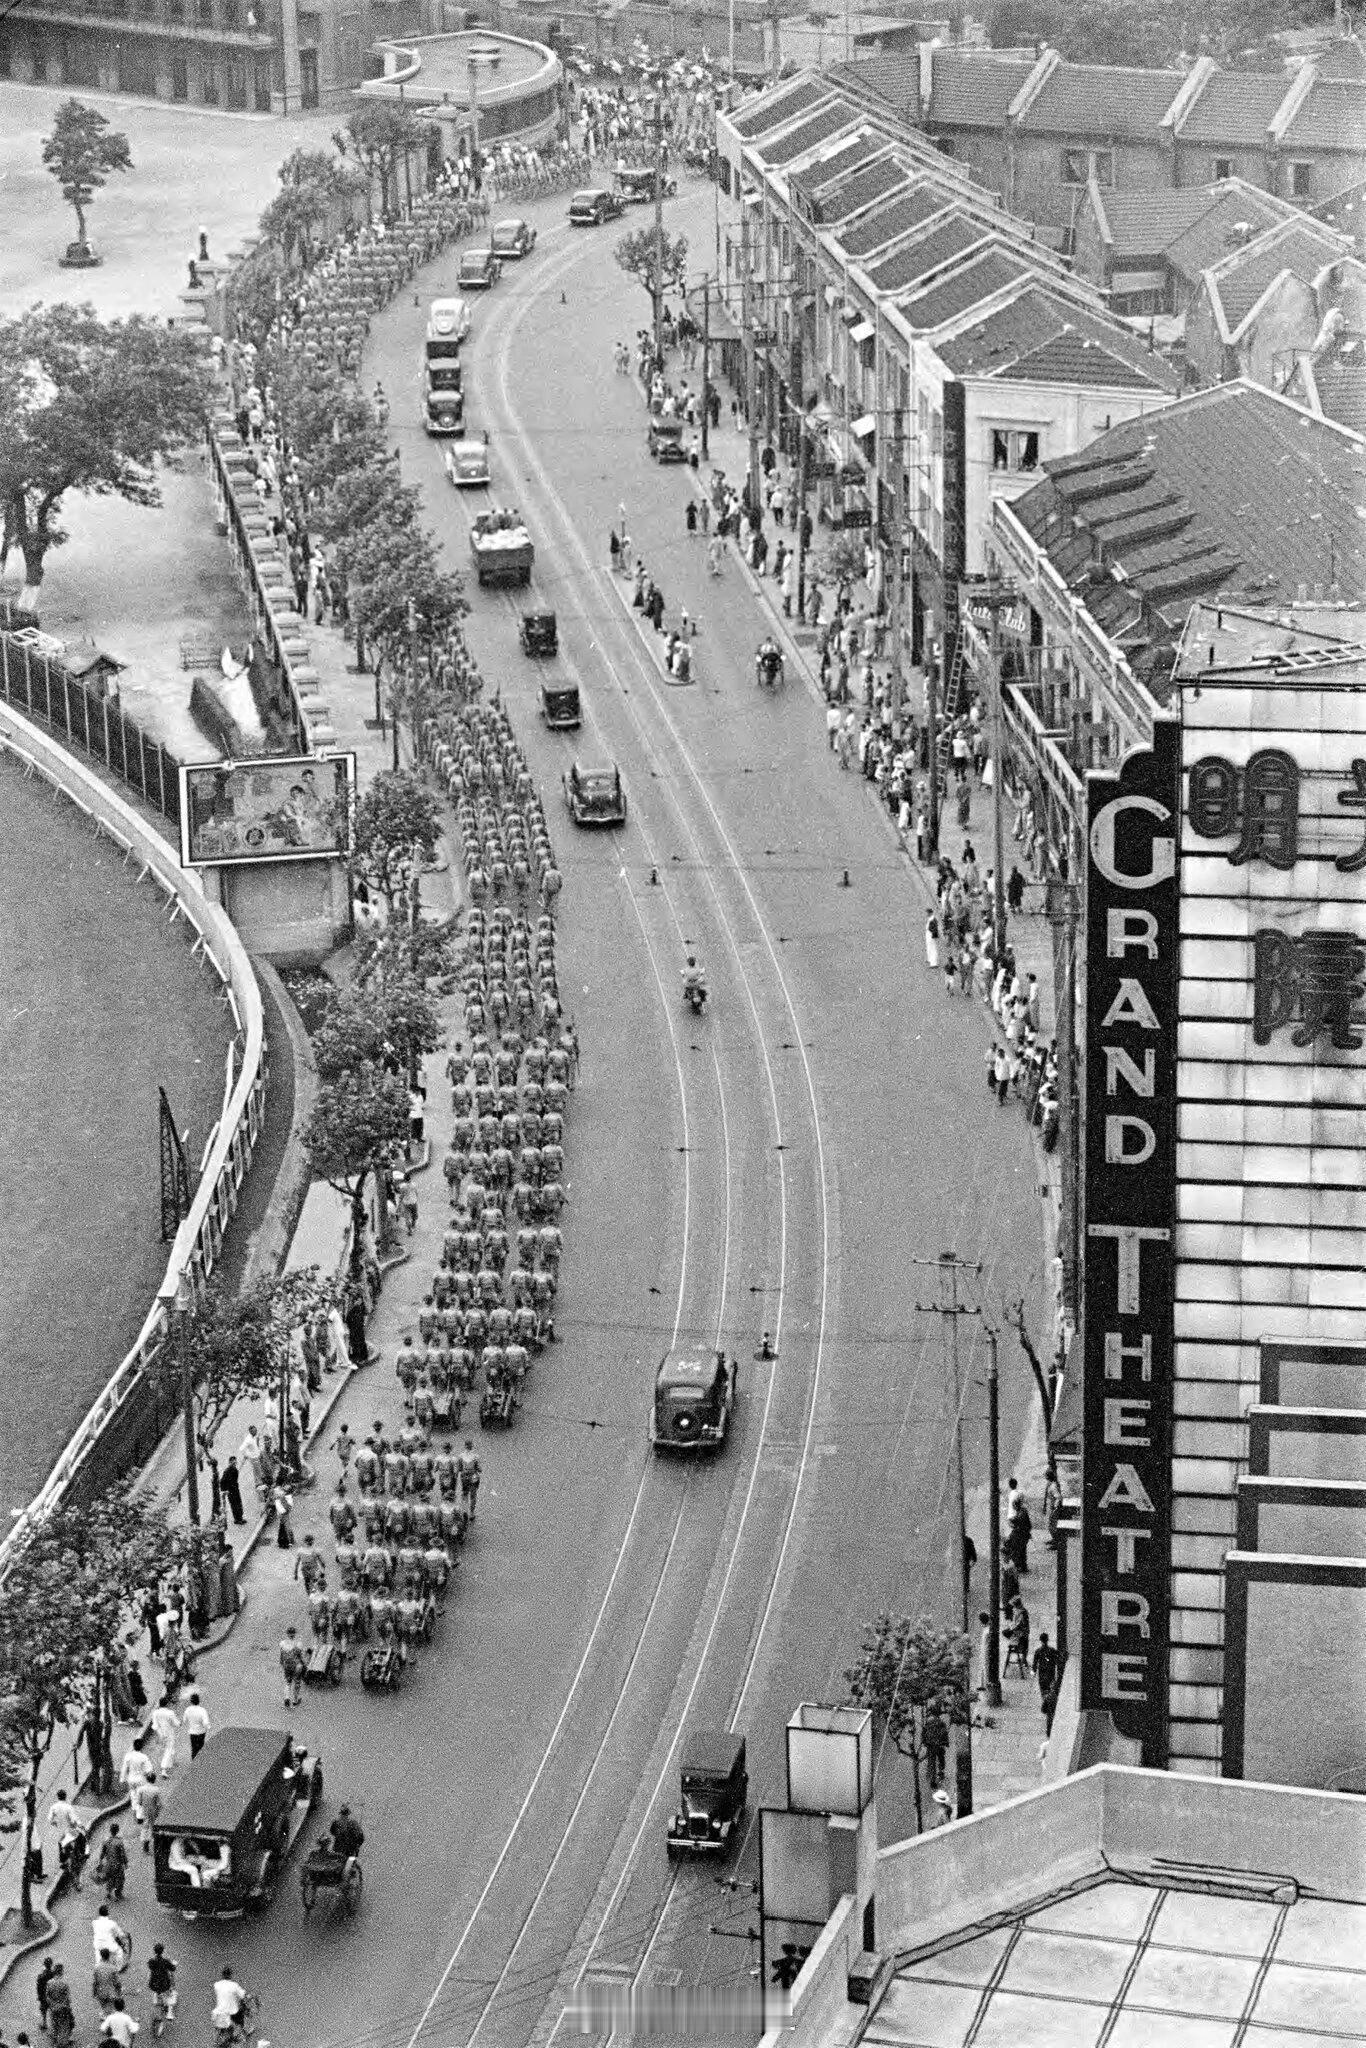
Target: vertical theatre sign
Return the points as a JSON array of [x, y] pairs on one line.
[[1127, 1328]]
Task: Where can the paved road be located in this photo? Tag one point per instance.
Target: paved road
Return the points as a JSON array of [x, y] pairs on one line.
[[777, 1166]]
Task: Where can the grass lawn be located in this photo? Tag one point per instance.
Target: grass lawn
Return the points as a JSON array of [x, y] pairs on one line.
[[102, 1005]]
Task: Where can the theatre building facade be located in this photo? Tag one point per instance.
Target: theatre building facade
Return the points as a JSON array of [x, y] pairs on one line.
[[1212, 817]]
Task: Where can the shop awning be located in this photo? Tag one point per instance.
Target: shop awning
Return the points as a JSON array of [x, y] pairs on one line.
[[863, 426], [863, 332]]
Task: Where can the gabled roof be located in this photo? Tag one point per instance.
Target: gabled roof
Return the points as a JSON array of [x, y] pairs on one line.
[[1340, 386], [1271, 491], [1207, 239], [1101, 99], [891, 76], [992, 270], [1041, 338], [846, 157], [1346, 210], [1238, 282], [818, 127], [898, 216], [973, 89], [773, 109], [1235, 108], [1331, 116], [1191, 228], [942, 241], [863, 188]]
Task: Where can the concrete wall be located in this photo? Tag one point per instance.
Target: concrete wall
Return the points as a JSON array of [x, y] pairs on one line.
[[290, 911]]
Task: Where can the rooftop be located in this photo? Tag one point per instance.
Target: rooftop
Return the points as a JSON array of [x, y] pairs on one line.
[[974, 89], [1341, 387], [899, 215], [863, 188], [1192, 227], [891, 76], [1239, 279], [1332, 116], [847, 156], [942, 241], [1231, 490], [981, 277], [1040, 338], [820, 126], [772, 109], [1102, 99], [1234, 107]]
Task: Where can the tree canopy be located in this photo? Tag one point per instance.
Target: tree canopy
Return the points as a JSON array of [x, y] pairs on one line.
[[1152, 32], [910, 1673], [310, 186], [82, 153], [87, 405], [636, 255], [375, 136]]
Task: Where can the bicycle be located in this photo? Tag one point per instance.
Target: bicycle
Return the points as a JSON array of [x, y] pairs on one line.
[[241, 2028]]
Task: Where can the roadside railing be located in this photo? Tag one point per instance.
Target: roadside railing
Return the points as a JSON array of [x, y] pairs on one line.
[[40, 687], [229, 1151]]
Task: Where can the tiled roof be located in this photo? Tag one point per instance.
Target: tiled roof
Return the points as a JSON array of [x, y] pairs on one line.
[[816, 129], [1207, 240], [846, 157], [1239, 279], [772, 109], [1332, 116], [892, 76], [1235, 107], [941, 242], [852, 194], [1102, 100], [973, 89], [901, 213], [1342, 393], [1272, 492], [1346, 210], [1147, 223], [1041, 339], [952, 296]]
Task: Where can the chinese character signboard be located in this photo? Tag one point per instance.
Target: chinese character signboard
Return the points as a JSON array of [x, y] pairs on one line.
[[266, 809], [1133, 823]]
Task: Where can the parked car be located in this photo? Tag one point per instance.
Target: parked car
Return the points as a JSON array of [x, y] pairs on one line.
[[666, 441], [594, 794], [713, 1789], [479, 270], [511, 239], [694, 1400], [637, 187], [594, 205], [467, 464]]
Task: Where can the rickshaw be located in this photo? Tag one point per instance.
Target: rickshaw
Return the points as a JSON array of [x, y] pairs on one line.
[[769, 669], [228, 1825], [325, 1871]]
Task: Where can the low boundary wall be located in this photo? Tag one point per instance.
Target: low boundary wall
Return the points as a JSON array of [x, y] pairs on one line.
[[123, 1424]]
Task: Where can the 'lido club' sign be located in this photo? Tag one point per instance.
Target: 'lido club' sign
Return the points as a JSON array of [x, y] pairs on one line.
[[1131, 1006]]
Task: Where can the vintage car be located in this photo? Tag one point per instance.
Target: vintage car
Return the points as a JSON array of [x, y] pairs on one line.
[[594, 794], [227, 1826], [713, 1788], [479, 269], [539, 633], [511, 239], [694, 1400], [637, 187], [665, 440], [467, 464], [559, 705], [443, 398], [594, 205], [448, 320]]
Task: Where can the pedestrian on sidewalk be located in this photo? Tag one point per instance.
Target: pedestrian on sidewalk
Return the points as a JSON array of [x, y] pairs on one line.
[[292, 1665], [1044, 1664], [283, 1504], [49, 1970], [230, 1485], [166, 1726], [195, 1721], [249, 1454]]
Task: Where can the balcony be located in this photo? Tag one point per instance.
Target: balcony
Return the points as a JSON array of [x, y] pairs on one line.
[[217, 23]]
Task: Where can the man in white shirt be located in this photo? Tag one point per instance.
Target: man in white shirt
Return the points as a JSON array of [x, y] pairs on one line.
[[136, 1771], [165, 1726], [119, 2026], [108, 1937], [228, 2001], [63, 1817], [195, 1722]]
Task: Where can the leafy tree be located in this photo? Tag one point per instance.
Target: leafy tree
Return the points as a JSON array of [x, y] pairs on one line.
[[63, 1597], [385, 566], [87, 405], [356, 1118], [841, 559], [377, 135], [82, 152], [371, 495], [659, 270], [1153, 32], [395, 825], [255, 285], [907, 1672], [309, 191]]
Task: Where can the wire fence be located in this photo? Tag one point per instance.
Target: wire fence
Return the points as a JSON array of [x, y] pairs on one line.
[[90, 719]]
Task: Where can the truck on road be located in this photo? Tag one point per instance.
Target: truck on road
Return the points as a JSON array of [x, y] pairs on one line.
[[501, 547]]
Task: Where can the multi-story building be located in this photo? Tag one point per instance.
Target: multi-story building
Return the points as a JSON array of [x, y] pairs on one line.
[[258, 56], [926, 349], [1038, 130], [1148, 250]]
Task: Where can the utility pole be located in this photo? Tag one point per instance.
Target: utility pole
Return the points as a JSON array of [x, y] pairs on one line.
[[184, 1303], [802, 445], [952, 1270], [993, 1670], [706, 360], [932, 729], [747, 324], [775, 55], [998, 776], [414, 708], [659, 222]]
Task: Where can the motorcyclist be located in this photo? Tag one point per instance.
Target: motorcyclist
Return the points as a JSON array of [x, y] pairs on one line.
[[694, 982]]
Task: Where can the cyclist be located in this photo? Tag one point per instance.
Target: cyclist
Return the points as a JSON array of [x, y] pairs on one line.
[[161, 1970], [229, 2009]]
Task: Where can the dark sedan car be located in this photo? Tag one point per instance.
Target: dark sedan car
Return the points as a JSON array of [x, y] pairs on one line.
[[594, 205], [479, 269], [513, 238]]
